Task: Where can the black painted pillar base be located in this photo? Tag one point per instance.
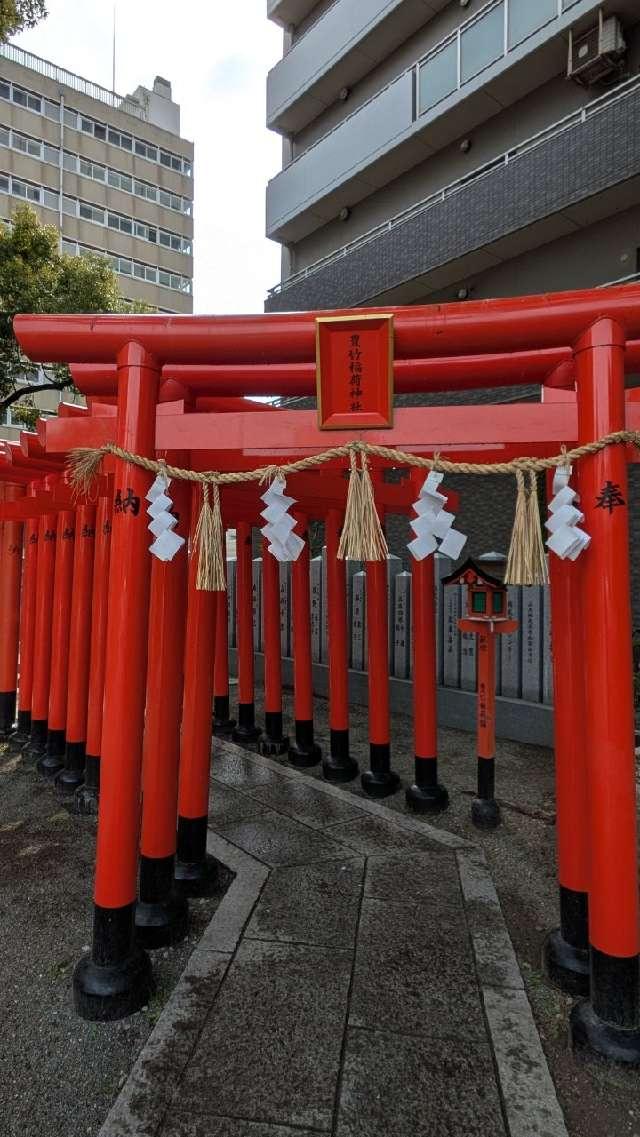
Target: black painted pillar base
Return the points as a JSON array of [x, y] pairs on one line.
[[339, 766], [21, 735], [593, 1035], [8, 700], [72, 776], [379, 780], [304, 752], [116, 979], [222, 724], [426, 795], [53, 758], [272, 741], [565, 965], [87, 796], [162, 916], [37, 742], [608, 1023], [246, 732], [195, 872], [565, 953], [485, 811]]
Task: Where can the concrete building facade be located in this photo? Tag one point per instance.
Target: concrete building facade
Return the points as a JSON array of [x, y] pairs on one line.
[[435, 150], [439, 150], [111, 172]]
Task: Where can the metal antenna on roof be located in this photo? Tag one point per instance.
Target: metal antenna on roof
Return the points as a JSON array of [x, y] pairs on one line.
[[113, 81]]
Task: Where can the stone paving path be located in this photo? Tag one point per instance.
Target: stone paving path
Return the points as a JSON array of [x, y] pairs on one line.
[[357, 980]]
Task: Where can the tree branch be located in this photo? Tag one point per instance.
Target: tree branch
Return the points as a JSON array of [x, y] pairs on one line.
[[21, 392]]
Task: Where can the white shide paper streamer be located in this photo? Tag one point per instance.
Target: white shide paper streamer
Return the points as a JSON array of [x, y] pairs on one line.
[[433, 526]]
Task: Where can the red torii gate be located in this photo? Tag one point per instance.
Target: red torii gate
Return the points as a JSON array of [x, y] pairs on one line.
[[587, 337]]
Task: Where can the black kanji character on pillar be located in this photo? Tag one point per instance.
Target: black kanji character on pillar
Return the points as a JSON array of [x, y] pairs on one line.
[[88, 531], [106, 528], [128, 504], [609, 497]]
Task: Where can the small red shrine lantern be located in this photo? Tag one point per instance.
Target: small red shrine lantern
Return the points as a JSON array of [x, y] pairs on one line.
[[486, 618], [486, 595]]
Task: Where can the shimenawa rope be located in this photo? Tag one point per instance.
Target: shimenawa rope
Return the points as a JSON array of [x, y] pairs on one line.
[[362, 536]]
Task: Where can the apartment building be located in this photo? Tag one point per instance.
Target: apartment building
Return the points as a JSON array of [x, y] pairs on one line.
[[111, 172], [435, 150], [438, 150]]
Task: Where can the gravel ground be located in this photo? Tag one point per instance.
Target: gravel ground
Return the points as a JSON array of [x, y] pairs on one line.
[[58, 1074], [598, 1100]]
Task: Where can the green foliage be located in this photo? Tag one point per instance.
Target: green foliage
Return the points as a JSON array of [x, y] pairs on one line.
[[36, 277], [16, 15]]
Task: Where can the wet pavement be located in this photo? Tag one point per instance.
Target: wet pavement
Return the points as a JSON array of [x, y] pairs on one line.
[[356, 980]]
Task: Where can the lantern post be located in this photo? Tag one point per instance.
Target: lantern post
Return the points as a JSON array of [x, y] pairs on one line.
[[486, 618]]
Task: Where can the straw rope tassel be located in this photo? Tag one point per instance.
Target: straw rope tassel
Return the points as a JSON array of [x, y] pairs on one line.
[[208, 541], [539, 570], [516, 572], [362, 538], [374, 542], [348, 547], [83, 467], [526, 563]]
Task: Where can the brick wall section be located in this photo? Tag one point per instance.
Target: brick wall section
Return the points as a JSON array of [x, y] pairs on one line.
[[586, 159]]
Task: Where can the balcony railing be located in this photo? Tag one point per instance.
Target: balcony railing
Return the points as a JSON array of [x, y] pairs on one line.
[[76, 82], [576, 118], [502, 31], [482, 40], [335, 37]]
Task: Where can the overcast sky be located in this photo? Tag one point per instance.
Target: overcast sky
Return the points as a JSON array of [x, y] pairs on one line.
[[216, 55]]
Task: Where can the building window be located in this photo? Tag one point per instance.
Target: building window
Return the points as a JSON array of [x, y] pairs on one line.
[[50, 199], [91, 212], [75, 207], [11, 92], [126, 267]]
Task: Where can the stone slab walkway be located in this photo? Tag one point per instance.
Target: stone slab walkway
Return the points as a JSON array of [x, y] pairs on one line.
[[357, 980]]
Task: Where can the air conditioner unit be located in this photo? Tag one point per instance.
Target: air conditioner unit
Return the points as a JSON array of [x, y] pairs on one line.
[[597, 54]]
